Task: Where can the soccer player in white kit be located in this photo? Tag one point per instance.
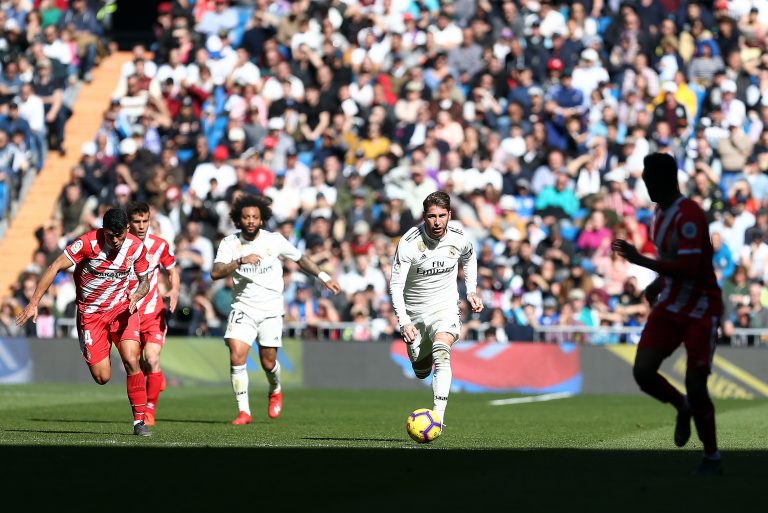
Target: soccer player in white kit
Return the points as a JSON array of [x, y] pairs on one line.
[[425, 295], [253, 256]]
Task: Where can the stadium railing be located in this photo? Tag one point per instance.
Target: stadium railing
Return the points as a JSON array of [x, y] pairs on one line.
[[592, 335]]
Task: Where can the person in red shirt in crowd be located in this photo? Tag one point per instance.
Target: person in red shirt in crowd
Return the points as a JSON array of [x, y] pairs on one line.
[[152, 307], [107, 311], [687, 306]]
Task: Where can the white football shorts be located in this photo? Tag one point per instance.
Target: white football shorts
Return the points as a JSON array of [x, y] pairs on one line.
[[268, 332], [429, 325]]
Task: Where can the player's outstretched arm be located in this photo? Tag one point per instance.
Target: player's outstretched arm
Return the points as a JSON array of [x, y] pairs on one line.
[[221, 270], [309, 267], [684, 266], [30, 311]]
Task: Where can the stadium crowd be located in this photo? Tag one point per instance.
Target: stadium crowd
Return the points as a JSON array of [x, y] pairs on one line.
[[46, 48], [534, 116]]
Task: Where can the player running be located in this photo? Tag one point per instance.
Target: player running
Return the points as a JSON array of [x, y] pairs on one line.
[[687, 305], [425, 295], [106, 310], [253, 256], [151, 308]]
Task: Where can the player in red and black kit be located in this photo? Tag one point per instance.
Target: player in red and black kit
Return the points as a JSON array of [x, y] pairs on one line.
[[152, 307], [106, 310], [687, 306]]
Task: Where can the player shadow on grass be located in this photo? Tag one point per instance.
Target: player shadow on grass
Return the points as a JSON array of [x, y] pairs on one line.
[[351, 439], [80, 421], [62, 432], [86, 421]]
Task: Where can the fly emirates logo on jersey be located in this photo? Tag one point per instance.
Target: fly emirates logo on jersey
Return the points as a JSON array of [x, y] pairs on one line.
[[256, 268], [443, 261]]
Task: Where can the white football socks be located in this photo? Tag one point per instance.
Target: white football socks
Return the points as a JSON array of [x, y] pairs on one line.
[[273, 377], [239, 376], [441, 380]]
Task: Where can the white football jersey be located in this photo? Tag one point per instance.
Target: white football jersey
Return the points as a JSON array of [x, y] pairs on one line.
[[425, 270], [258, 288]]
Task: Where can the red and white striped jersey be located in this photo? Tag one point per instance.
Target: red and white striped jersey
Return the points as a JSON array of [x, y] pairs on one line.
[[682, 229], [102, 274], [159, 254]]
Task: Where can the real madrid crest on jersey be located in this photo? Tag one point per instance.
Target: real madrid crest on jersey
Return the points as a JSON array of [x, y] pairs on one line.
[[452, 251], [422, 247]]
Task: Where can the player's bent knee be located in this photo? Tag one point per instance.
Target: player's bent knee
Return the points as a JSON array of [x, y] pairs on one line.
[[422, 368], [101, 379], [642, 376], [441, 354]]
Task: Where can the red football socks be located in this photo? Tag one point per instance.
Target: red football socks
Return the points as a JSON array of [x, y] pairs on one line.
[[137, 395], [154, 382]]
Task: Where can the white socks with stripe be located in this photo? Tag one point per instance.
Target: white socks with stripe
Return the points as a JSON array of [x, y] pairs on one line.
[[273, 376], [441, 380], [239, 376]]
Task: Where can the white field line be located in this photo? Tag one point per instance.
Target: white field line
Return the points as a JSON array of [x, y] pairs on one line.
[[531, 399]]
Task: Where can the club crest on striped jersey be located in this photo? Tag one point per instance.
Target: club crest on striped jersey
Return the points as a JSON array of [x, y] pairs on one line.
[[689, 230], [76, 247]]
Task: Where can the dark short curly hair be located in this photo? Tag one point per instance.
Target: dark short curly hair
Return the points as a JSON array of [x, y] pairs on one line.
[[261, 202], [116, 220]]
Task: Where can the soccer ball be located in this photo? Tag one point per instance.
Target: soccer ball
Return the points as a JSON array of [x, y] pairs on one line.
[[424, 425]]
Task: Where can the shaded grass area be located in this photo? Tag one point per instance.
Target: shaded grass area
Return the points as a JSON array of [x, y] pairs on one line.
[[348, 451]]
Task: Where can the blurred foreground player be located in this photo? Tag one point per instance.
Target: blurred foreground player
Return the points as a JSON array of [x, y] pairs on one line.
[[106, 310], [687, 306], [254, 257], [151, 308]]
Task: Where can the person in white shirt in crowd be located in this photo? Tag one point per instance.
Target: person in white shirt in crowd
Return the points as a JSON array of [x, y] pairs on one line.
[[219, 169]]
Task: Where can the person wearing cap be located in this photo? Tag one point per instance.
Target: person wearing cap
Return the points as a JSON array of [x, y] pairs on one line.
[[670, 111], [589, 73], [254, 258], [219, 169], [688, 311]]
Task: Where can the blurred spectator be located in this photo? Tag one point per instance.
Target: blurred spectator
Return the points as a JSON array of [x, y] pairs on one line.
[[533, 116]]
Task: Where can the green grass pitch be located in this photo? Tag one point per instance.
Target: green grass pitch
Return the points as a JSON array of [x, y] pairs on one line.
[[70, 447]]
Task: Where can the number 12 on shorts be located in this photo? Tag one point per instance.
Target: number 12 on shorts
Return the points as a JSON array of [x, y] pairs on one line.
[[235, 317]]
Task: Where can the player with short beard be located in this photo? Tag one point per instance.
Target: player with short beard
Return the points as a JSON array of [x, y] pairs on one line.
[[152, 326], [106, 308], [253, 256], [425, 295]]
